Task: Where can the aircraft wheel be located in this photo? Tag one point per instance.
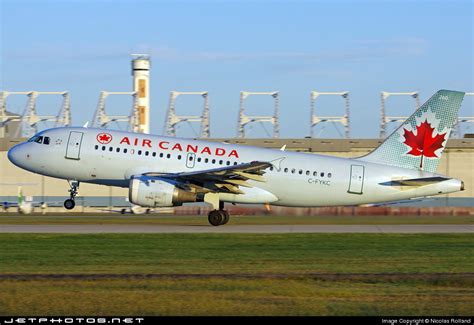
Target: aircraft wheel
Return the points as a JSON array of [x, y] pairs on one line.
[[69, 204], [215, 217], [226, 217], [123, 211]]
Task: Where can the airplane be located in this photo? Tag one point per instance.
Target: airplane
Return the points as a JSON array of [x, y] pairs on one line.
[[24, 205], [164, 171]]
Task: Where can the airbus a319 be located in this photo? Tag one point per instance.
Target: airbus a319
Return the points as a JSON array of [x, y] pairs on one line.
[[163, 171]]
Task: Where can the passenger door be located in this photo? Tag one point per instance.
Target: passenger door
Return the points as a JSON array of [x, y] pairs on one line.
[[74, 145], [356, 181]]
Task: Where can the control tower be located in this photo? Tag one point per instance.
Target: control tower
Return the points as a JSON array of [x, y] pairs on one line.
[[141, 87]]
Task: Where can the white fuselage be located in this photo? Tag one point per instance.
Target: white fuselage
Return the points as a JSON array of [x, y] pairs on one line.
[[297, 179]]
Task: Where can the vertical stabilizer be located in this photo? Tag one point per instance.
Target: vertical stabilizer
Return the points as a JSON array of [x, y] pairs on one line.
[[419, 142]]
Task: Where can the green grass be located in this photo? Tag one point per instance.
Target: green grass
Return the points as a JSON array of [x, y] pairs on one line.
[[236, 220], [268, 274], [233, 297]]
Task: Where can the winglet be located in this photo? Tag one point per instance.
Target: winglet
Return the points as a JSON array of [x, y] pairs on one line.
[[86, 125], [283, 148]]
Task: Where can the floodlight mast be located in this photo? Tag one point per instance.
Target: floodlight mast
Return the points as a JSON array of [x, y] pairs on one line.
[[384, 119], [172, 119], [462, 119], [102, 119], [316, 119], [246, 119], [29, 119], [4, 118]]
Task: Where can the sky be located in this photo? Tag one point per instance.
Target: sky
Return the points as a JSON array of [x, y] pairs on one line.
[[224, 47]]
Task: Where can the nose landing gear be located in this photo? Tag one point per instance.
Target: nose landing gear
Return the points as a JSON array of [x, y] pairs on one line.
[[69, 204]]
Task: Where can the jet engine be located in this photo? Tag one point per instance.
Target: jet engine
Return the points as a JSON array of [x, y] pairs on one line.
[[152, 192]]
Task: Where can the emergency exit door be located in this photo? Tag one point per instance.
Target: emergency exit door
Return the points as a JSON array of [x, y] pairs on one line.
[[74, 142], [356, 182]]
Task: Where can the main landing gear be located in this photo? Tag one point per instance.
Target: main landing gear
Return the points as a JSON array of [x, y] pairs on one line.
[[218, 217], [69, 204]]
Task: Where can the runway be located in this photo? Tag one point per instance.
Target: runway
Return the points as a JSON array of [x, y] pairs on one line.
[[246, 229]]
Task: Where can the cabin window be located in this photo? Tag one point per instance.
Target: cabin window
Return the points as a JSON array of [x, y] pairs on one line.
[[206, 160], [103, 148], [161, 155], [199, 159], [293, 170], [213, 161], [154, 154], [96, 147], [300, 172], [315, 174], [227, 163], [179, 157], [221, 162], [308, 173], [322, 174], [329, 175], [118, 149], [168, 156], [139, 152], [125, 150], [271, 168], [286, 170], [111, 149], [235, 163], [146, 153]]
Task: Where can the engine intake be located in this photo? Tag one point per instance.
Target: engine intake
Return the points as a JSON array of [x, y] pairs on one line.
[[152, 192]]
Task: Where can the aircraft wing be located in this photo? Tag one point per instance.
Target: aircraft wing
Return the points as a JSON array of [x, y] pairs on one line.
[[224, 179]]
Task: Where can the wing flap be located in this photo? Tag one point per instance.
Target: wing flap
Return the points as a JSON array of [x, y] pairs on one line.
[[224, 179]]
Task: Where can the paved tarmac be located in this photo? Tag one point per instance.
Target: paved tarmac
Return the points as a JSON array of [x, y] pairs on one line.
[[260, 229]]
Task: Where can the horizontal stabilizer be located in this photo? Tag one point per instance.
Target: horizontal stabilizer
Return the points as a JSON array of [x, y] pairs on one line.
[[416, 181]]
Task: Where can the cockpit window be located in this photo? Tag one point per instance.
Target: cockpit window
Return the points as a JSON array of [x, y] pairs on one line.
[[40, 139]]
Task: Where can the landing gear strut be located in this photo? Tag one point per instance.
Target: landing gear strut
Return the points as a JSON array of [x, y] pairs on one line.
[[218, 217], [69, 204]]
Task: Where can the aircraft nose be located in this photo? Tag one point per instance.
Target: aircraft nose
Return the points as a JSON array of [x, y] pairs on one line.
[[15, 155]]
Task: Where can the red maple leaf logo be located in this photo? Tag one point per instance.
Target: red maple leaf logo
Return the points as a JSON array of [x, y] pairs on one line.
[[423, 144], [104, 138]]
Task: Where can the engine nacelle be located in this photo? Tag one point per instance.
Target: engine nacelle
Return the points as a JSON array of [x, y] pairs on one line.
[[152, 192]]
